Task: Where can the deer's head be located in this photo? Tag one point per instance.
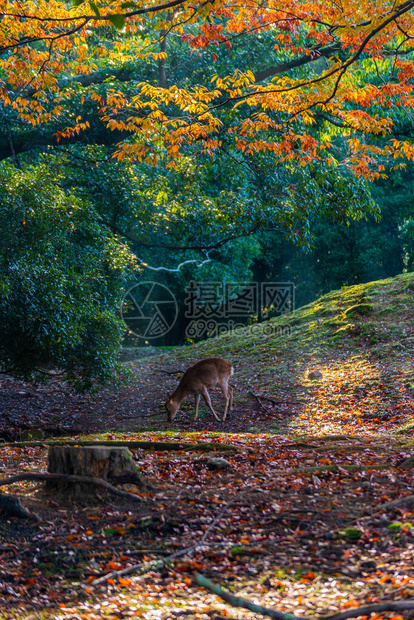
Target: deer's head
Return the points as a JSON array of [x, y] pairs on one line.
[[171, 408]]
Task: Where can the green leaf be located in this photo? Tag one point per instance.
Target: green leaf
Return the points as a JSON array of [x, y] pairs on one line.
[[117, 20], [128, 5], [351, 533], [237, 549], [77, 2], [395, 526]]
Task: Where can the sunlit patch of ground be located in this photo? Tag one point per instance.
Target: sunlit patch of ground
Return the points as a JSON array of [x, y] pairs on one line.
[[355, 395]]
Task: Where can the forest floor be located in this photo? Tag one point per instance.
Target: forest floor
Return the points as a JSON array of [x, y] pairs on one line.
[[300, 519]]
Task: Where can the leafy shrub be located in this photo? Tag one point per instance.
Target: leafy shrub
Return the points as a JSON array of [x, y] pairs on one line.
[[62, 277]]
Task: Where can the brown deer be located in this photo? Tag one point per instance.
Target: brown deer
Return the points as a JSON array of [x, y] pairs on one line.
[[196, 380]]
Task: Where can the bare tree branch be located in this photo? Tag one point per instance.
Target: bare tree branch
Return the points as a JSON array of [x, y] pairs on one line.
[[319, 52], [338, 71], [29, 40], [89, 17], [179, 267], [199, 248]]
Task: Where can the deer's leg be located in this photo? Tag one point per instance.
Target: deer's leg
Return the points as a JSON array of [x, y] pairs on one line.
[[228, 392], [197, 400], [206, 397], [225, 389]]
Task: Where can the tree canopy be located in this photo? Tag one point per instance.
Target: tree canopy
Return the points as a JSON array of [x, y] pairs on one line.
[[345, 67], [61, 275]]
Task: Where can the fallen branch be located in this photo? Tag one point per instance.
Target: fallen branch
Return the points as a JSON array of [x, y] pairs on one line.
[[144, 567], [139, 417], [69, 478], [276, 401], [170, 372], [407, 603], [157, 446], [260, 402], [237, 601], [404, 502], [335, 468], [51, 373]]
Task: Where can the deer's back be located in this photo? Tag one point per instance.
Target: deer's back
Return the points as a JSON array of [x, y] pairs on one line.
[[206, 373]]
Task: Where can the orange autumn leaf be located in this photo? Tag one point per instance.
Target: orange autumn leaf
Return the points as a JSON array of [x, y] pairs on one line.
[[124, 582]]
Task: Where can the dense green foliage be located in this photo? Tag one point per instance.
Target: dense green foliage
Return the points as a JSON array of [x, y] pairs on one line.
[[352, 252], [61, 278]]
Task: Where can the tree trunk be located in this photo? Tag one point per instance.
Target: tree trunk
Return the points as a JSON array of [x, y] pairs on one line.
[[114, 465]]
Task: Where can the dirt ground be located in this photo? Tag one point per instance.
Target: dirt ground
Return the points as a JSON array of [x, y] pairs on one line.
[[355, 396], [305, 527], [139, 405], [299, 518]]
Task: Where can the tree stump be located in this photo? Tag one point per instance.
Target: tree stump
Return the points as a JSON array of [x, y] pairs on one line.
[[114, 465]]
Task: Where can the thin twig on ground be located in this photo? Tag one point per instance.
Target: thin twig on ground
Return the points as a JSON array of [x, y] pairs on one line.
[[260, 402], [237, 601], [276, 401], [170, 372], [145, 567]]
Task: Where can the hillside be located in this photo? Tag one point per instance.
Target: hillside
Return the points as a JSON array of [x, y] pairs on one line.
[[361, 339]]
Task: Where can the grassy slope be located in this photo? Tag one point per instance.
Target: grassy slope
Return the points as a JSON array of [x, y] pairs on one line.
[[361, 338]]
